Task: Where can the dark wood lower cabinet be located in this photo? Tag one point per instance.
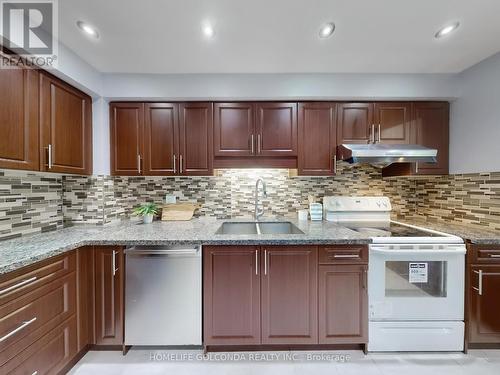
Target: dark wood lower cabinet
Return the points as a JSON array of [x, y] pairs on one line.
[[289, 295], [109, 292], [483, 303], [231, 295], [269, 296], [343, 301]]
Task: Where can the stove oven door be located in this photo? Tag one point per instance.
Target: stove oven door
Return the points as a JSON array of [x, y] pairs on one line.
[[416, 282]]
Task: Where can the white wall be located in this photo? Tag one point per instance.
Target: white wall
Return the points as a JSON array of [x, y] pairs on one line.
[[279, 86], [475, 120], [101, 140]]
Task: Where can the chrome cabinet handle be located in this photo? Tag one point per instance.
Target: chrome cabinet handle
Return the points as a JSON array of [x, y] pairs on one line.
[[252, 144], [349, 256], [265, 262], [180, 164], [174, 162], [416, 167], [18, 285], [49, 148], [35, 373], [494, 255], [365, 280], [256, 262], [479, 288], [20, 328], [259, 145], [379, 136], [335, 164], [113, 264], [139, 163], [373, 133]]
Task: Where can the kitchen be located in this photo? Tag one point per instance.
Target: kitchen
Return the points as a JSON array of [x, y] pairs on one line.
[[332, 207]]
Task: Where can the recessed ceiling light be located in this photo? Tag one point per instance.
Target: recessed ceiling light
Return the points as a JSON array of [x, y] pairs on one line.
[[447, 30], [88, 29], [208, 31], [326, 30]]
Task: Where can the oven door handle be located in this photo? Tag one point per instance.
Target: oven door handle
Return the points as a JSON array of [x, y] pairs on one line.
[[385, 251]]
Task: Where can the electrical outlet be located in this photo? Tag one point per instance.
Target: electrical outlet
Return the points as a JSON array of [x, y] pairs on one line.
[[170, 199]]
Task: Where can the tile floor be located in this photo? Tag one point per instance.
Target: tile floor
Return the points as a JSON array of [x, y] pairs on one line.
[[138, 362]]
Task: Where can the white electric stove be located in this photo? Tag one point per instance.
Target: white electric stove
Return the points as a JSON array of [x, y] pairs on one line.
[[416, 278]]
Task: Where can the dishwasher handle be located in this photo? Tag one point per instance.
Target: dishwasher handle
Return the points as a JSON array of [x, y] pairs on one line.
[[147, 252]]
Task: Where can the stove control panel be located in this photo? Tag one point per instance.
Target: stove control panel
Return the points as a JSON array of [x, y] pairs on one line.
[[339, 208]]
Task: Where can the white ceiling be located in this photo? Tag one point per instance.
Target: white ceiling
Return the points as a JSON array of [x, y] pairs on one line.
[[281, 36]]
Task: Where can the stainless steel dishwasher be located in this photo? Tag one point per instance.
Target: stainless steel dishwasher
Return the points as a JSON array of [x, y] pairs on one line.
[[163, 296]]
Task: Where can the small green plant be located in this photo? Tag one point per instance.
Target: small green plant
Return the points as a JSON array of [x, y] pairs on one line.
[[146, 209]]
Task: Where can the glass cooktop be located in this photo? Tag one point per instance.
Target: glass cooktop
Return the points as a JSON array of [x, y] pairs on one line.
[[389, 229]]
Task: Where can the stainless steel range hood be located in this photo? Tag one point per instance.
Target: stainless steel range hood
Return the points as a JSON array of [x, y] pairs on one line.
[[381, 155]]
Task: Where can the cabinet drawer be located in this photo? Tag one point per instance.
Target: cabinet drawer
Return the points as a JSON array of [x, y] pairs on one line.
[[15, 284], [343, 254], [49, 355], [485, 254], [26, 319]]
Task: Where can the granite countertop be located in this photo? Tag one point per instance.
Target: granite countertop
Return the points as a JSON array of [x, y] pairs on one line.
[[23, 251], [473, 233]]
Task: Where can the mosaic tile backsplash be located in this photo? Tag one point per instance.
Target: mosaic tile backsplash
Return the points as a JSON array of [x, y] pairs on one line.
[[34, 202]]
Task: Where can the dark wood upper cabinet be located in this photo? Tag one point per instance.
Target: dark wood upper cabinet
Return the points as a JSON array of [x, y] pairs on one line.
[[355, 123], [431, 129], [231, 291], [317, 138], [127, 129], [276, 129], [289, 295], [195, 139], [19, 136], [343, 304], [392, 122], [65, 127], [161, 134], [109, 303], [234, 129]]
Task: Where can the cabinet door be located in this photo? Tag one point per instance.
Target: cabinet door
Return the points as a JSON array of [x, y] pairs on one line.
[[161, 134], [432, 130], [234, 129], [109, 295], [289, 295], [231, 292], [195, 138], [85, 270], [52, 354], [343, 298], [276, 128], [392, 122], [317, 139], [19, 119], [355, 123], [65, 128], [127, 125], [484, 324]]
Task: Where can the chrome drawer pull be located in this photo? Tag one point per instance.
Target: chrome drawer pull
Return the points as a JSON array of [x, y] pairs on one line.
[[345, 256], [18, 285], [21, 327], [494, 255], [257, 262]]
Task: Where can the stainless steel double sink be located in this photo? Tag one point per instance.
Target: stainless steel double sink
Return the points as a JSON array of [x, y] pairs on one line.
[[257, 227]]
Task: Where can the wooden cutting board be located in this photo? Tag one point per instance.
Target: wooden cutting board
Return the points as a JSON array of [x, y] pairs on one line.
[[178, 211]]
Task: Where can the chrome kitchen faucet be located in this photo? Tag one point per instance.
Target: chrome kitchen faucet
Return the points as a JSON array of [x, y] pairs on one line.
[[259, 213]]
